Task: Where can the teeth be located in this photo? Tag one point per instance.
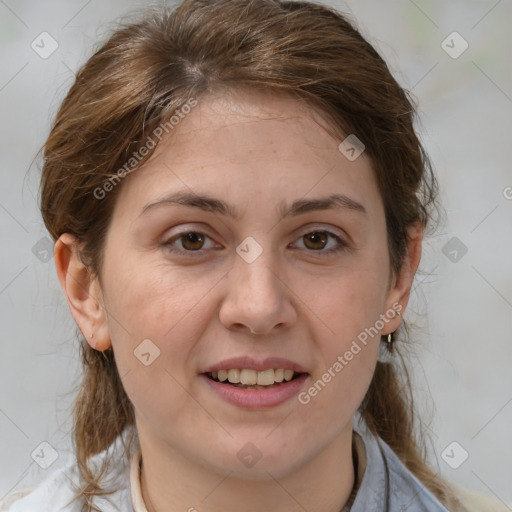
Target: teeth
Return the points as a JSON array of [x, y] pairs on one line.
[[279, 375], [266, 378], [234, 376], [248, 377]]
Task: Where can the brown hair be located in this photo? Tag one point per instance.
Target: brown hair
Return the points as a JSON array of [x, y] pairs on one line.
[[150, 68]]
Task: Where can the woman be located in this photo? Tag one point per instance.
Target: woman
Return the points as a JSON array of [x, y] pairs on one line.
[[238, 199]]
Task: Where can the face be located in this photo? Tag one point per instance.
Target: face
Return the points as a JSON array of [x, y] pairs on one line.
[[268, 273]]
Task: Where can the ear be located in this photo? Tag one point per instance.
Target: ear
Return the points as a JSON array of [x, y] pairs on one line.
[[399, 292], [82, 291]]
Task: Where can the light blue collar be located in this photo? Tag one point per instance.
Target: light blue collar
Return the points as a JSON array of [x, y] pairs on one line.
[[388, 486]]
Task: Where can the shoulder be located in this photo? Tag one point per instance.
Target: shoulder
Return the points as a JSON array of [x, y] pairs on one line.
[[57, 491], [388, 485], [51, 494], [6, 503], [476, 502], [406, 492], [472, 501]]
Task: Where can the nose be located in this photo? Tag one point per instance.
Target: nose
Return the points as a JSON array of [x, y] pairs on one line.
[[257, 298]]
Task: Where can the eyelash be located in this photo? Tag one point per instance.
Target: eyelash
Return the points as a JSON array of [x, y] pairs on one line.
[[342, 245]]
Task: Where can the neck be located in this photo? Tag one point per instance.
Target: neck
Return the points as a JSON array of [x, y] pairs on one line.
[[170, 483]]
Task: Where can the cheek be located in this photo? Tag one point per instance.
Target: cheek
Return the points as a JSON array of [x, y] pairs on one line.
[[349, 308], [348, 347], [155, 320], [160, 305], [333, 397], [351, 303]]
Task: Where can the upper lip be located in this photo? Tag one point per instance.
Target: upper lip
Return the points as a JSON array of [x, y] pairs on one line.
[[247, 362]]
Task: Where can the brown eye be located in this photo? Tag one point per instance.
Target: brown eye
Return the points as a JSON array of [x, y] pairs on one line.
[[315, 240], [192, 241], [321, 242], [189, 243]]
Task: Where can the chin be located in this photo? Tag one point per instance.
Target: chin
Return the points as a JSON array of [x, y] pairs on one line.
[[259, 460]]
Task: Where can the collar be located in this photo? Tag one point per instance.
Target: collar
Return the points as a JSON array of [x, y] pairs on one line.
[[135, 489], [388, 486], [383, 483]]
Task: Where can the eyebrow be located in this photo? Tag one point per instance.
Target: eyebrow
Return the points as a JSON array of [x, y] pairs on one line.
[[298, 207]]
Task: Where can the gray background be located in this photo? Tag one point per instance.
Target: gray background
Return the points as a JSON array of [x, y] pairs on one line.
[[462, 308]]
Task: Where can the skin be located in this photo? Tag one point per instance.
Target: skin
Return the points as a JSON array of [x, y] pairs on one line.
[[254, 151]]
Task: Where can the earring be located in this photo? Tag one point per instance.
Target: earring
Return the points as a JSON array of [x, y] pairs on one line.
[[390, 335], [386, 349]]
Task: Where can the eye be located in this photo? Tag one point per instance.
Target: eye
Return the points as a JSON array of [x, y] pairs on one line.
[[319, 239], [193, 242], [190, 241]]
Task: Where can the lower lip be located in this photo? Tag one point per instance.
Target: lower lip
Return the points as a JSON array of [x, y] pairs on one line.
[[257, 398]]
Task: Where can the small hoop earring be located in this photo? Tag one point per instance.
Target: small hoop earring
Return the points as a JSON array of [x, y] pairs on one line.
[[390, 339]]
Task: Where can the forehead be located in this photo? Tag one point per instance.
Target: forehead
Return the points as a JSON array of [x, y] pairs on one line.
[[250, 146], [241, 123]]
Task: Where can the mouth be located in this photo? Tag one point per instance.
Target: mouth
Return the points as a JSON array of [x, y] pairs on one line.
[[246, 378], [248, 383]]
